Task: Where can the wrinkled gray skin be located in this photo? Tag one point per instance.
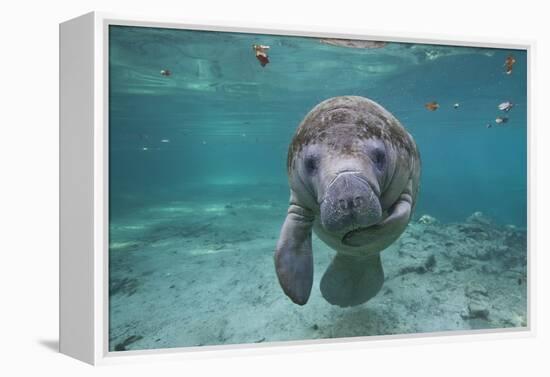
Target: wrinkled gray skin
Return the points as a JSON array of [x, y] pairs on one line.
[[354, 174]]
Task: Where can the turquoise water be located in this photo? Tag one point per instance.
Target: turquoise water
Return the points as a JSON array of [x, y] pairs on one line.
[[197, 171]]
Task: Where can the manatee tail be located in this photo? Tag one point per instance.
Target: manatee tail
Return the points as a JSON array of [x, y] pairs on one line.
[[351, 281]]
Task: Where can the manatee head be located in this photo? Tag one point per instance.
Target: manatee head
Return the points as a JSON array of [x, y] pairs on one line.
[[349, 161]]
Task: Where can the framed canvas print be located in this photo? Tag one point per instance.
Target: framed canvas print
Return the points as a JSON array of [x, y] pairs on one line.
[[225, 187]]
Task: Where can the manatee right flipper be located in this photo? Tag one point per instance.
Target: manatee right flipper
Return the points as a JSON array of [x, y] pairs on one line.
[[351, 281], [293, 255]]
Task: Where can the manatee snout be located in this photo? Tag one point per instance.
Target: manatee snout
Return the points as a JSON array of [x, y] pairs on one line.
[[349, 203]]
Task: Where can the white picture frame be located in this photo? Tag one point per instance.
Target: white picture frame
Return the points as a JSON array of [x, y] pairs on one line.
[[84, 192]]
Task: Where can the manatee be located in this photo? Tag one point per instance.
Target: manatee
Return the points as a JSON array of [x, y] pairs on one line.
[[354, 173]]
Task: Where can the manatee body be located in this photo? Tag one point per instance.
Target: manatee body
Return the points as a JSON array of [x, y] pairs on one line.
[[354, 173]]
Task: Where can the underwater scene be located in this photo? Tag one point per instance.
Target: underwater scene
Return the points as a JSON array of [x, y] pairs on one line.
[[267, 188]]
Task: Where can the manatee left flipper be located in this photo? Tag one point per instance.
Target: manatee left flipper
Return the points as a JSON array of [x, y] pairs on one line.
[[293, 255]]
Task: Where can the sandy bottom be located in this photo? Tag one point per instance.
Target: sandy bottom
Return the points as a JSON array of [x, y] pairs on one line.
[[193, 273]]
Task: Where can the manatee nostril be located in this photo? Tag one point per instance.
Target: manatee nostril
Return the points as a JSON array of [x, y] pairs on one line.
[[342, 203], [351, 202]]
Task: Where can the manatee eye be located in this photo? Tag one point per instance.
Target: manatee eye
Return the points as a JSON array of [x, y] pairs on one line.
[[379, 158], [311, 163]]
